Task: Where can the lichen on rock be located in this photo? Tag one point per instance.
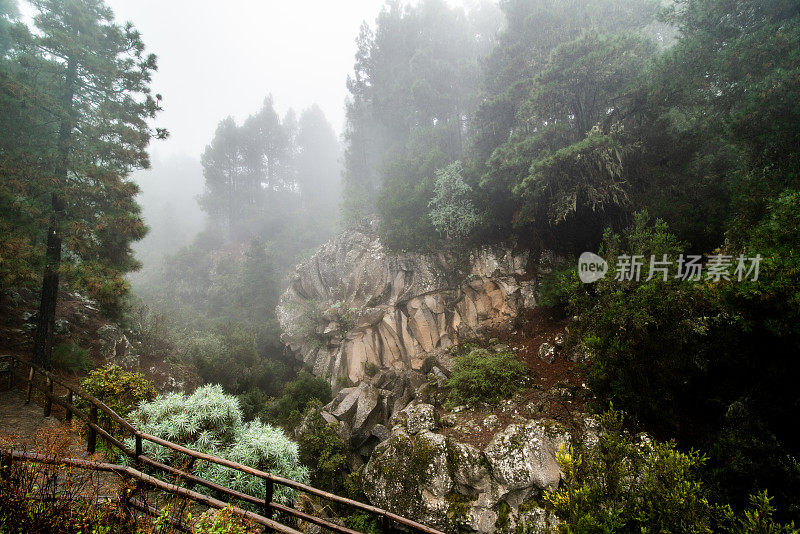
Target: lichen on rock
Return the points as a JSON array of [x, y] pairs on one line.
[[456, 487]]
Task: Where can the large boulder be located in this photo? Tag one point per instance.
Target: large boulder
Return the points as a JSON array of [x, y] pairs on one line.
[[116, 348], [363, 413], [419, 418], [454, 486], [354, 307], [524, 456], [411, 473], [360, 409]]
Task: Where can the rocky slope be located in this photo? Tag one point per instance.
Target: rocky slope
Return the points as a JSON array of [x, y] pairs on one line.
[[353, 306], [465, 468], [79, 321], [456, 486], [382, 324]]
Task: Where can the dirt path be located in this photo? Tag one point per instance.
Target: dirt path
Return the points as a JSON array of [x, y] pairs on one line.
[[22, 422], [24, 427]]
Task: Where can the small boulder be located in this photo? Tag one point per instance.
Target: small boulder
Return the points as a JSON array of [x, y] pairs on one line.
[[580, 353], [419, 418], [109, 332], [547, 353], [62, 327], [380, 432], [467, 465], [491, 421], [448, 420], [344, 405]]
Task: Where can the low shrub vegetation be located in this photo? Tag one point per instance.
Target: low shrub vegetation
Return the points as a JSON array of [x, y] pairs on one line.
[[72, 358], [677, 354], [210, 421], [323, 451], [481, 375], [627, 484], [296, 396], [120, 390]]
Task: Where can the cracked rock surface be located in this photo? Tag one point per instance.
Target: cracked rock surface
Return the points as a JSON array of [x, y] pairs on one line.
[[353, 306]]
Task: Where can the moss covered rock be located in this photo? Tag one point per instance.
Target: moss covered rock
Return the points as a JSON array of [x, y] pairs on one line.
[[456, 487], [524, 456]]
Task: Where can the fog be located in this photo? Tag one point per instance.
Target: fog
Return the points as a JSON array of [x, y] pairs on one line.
[[217, 60], [220, 61], [341, 226]]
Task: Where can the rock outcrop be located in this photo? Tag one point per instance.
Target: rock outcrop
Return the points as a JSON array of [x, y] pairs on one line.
[[354, 307], [363, 414], [455, 486], [384, 322], [477, 469]]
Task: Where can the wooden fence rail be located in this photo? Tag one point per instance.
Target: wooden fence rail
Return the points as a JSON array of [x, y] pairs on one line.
[[268, 506], [135, 474]]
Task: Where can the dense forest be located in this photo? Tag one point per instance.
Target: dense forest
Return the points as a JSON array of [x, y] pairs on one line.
[[680, 123], [628, 128]]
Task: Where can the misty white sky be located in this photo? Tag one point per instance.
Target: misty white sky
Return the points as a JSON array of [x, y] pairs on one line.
[[222, 58]]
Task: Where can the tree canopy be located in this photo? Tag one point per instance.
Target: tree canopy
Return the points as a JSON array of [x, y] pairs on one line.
[[77, 98]]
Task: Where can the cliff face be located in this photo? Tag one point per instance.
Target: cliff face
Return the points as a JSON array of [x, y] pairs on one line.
[[354, 307]]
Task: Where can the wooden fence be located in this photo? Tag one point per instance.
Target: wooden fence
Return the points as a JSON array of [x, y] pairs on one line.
[[265, 503]]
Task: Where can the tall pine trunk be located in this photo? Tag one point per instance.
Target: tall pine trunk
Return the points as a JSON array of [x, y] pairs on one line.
[[45, 327], [43, 340]]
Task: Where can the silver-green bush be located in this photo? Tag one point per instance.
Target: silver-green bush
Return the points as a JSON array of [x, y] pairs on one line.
[[211, 421]]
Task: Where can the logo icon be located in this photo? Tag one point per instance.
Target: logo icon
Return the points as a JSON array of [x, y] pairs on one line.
[[591, 267]]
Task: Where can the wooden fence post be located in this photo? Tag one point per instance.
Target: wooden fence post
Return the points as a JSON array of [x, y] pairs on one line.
[[30, 385], [269, 492], [91, 440], [386, 526], [48, 401], [138, 451], [68, 415], [5, 465]]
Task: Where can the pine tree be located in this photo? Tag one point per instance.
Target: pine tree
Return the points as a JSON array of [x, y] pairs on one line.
[[92, 84], [317, 160]]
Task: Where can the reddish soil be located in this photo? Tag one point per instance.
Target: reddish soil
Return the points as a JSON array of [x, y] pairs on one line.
[[557, 390]]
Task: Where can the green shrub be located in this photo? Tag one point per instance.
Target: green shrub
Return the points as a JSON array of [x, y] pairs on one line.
[[452, 211], [624, 485], [711, 364], [323, 451], [484, 376], [363, 522], [253, 403], [120, 390], [296, 396], [309, 317], [70, 357], [224, 521], [556, 288], [211, 421], [646, 335], [758, 518], [231, 356]]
